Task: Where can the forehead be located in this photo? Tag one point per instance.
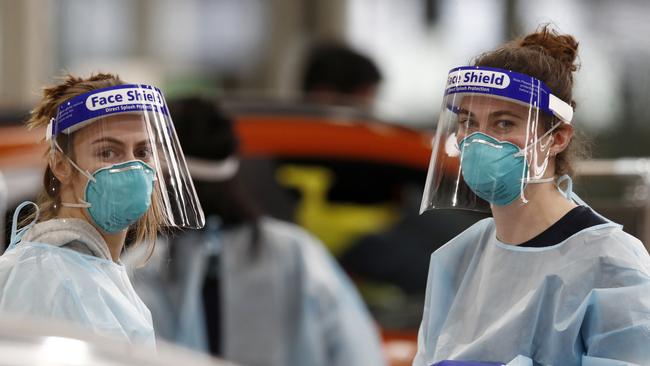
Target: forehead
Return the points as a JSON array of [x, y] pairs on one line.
[[485, 103], [123, 126]]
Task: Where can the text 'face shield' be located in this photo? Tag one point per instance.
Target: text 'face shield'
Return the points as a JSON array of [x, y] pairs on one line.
[[122, 141], [493, 138]]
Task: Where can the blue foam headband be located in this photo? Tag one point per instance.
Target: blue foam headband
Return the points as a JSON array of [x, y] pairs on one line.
[[85, 108], [507, 84]]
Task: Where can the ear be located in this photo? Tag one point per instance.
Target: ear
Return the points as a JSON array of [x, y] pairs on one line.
[[561, 138], [61, 167]]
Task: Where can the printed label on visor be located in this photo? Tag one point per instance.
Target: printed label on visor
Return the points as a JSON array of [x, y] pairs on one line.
[[117, 97], [474, 77], [506, 84], [107, 101]]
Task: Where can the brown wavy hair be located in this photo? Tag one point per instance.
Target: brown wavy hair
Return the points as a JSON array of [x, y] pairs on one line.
[[552, 58], [49, 199]]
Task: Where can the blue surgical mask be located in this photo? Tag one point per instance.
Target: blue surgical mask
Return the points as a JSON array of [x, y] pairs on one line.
[[492, 169], [118, 195]]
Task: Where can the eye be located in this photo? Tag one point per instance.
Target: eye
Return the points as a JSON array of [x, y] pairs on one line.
[[466, 121], [143, 153], [505, 124], [107, 154]]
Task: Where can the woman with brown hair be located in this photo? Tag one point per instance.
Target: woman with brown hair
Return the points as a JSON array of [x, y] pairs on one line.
[[114, 171], [546, 280]]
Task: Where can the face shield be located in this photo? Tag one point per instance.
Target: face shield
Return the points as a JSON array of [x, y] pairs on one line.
[[492, 140], [115, 153]]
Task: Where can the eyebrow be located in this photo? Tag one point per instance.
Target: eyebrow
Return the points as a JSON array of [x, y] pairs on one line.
[[109, 140], [464, 111], [504, 113], [143, 142], [117, 142], [493, 114]]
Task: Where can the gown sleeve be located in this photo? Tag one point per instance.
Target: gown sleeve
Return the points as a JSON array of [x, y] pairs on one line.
[[40, 287], [616, 327], [334, 320]]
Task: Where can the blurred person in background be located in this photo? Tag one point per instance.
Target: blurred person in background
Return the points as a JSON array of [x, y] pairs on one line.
[[107, 175], [249, 288], [547, 280], [336, 74], [336, 78]]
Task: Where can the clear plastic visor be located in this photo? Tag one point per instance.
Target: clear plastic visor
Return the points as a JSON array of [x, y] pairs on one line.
[[486, 150], [125, 157]]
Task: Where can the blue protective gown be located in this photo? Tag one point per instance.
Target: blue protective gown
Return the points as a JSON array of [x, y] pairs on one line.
[[584, 301], [61, 270], [291, 305]]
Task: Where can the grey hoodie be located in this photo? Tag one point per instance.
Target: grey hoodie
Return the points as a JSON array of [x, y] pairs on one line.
[[75, 234]]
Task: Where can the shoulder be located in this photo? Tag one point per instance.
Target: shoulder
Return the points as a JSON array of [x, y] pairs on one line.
[[311, 249], [289, 238], [283, 230], [49, 262], [36, 258], [38, 280], [615, 248], [321, 274], [480, 228], [50, 268], [448, 264], [44, 257], [468, 239]]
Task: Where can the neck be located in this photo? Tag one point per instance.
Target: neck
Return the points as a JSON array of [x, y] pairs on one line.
[[115, 242], [519, 222]]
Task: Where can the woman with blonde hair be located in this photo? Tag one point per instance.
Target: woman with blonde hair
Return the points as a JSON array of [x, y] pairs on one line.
[[115, 174], [546, 280]]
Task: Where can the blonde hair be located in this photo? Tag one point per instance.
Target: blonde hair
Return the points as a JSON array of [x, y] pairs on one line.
[[49, 199]]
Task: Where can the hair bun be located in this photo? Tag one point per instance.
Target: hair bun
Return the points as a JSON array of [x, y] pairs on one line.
[[562, 47]]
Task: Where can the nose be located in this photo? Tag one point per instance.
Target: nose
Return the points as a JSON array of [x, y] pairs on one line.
[[480, 126], [469, 129]]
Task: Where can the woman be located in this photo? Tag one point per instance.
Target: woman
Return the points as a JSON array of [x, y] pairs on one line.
[[114, 168], [547, 278], [249, 288]]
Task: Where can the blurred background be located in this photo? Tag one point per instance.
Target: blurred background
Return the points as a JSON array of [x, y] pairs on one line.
[[352, 175], [255, 47]]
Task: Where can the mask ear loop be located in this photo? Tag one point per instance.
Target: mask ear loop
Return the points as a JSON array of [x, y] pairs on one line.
[[84, 172], [522, 152], [17, 234], [568, 193], [540, 180], [84, 204]]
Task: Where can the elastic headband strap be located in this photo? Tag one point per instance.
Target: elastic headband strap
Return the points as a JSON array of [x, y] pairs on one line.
[[85, 108], [213, 170], [509, 85]]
